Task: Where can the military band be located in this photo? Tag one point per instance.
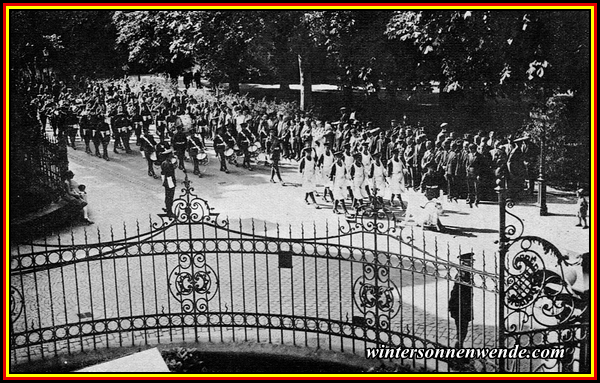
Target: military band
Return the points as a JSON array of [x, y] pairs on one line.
[[349, 159]]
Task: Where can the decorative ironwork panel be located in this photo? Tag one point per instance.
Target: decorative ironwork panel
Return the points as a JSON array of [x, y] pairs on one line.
[[377, 296], [193, 283]]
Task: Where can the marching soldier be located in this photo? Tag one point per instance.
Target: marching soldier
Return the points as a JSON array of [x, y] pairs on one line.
[[148, 146], [245, 139], [101, 134], [179, 144], [275, 154], [85, 129], [220, 145], [161, 121], [195, 146], [136, 120], [122, 124]]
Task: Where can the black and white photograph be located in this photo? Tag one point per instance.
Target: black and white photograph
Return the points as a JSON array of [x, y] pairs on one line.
[[275, 190]]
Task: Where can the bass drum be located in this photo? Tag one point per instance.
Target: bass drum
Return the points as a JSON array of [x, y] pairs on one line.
[[229, 153], [253, 150], [202, 158]]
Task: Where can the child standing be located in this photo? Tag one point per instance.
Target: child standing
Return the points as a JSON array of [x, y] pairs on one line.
[[582, 208]]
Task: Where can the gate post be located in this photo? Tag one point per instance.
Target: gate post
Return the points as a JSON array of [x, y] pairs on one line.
[[502, 249]]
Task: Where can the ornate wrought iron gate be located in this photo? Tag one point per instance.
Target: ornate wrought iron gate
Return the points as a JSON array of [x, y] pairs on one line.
[[195, 277], [545, 301]]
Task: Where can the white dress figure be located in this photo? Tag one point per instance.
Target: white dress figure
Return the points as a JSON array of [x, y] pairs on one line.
[[308, 175], [339, 182], [397, 177], [358, 182], [367, 160], [378, 181], [328, 161]]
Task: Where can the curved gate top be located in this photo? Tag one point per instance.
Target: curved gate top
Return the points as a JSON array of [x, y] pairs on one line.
[[193, 277]]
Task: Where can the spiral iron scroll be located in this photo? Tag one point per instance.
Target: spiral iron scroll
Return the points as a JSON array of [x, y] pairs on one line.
[[376, 296], [189, 208], [537, 293], [376, 219], [193, 283]]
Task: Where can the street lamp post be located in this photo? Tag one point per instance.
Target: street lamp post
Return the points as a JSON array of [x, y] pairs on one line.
[[541, 200]]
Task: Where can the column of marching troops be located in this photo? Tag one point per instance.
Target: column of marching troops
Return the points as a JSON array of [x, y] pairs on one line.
[[353, 159]]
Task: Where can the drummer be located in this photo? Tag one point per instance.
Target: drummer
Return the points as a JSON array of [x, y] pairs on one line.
[[148, 147], [245, 139], [196, 149], [179, 144]]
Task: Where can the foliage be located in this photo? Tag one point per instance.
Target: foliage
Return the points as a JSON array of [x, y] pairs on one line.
[[65, 41], [184, 360], [566, 153], [509, 52]]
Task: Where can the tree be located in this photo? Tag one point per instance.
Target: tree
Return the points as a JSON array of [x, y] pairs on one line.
[[65, 41]]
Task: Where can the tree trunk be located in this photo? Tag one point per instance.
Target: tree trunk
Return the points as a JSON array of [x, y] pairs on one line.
[[305, 84], [347, 95], [234, 83]]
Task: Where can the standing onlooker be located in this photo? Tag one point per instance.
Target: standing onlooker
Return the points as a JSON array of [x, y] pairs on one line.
[[582, 208], [460, 304], [167, 171]]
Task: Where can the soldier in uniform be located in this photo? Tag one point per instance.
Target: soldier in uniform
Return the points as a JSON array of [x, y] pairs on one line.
[[148, 146], [245, 139], [275, 155], [474, 166], [137, 122], [86, 129], [179, 144], [460, 304], [195, 146], [122, 125], [167, 171], [101, 133], [220, 146], [161, 121]]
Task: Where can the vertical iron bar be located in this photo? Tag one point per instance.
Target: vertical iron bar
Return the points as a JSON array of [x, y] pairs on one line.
[[255, 285], [304, 286], [62, 278], [339, 257], [89, 282], [292, 282], [472, 282], [114, 258], [280, 287], [169, 291], [316, 293], [327, 259], [230, 281], [243, 280], [129, 286], [208, 328], [484, 292], [76, 287], [268, 284], [51, 296], [181, 304], [25, 312], [158, 326], [502, 243], [352, 260], [137, 224]]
